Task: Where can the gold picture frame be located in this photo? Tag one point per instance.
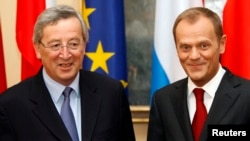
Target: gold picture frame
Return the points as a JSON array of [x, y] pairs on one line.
[[140, 114]]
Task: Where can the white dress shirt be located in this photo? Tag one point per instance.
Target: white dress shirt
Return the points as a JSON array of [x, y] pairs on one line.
[[210, 88]]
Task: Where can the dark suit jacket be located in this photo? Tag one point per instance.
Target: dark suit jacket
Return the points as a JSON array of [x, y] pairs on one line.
[[27, 112], [169, 116]]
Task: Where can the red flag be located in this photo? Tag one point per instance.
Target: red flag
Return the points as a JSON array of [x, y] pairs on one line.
[[236, 22], [3, 84], [27, 13]]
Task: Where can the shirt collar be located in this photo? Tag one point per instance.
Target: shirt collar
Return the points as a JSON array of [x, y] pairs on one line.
[[210, 87], [56, 89]]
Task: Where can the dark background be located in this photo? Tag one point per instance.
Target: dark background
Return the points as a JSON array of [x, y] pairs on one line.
[[139, 17]]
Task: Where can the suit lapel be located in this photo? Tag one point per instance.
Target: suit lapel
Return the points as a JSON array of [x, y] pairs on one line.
[[225, 97], [90, 103], [45, 109], [183, 114]]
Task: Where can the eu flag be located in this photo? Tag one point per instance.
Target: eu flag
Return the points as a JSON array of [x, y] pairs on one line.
[[106, 49]]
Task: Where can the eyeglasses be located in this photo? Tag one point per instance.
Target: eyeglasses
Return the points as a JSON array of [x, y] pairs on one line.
[[55, 46]]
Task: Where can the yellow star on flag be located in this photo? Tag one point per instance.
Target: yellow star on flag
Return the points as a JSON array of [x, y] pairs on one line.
[[86, 12], [99, 58], [124, 83]]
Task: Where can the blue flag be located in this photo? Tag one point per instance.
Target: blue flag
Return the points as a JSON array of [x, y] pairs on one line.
[[106, 49]]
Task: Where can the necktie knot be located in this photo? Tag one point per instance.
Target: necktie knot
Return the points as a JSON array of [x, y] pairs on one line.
[[67, 91], [199, 93]]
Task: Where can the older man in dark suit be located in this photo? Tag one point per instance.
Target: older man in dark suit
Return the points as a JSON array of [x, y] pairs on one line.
[[63, 102]]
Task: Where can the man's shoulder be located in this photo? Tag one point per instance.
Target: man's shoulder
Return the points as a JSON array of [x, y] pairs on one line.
[[18, 90], [174, 86], [234, 78], [94, 77]]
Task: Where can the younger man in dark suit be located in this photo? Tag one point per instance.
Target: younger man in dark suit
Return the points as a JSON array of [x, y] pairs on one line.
[[200, 41]]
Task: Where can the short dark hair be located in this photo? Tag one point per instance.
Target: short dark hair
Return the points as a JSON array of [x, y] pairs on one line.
[[194, 13]]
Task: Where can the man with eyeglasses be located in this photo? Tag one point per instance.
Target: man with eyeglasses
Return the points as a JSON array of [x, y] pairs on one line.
[[63, 102]]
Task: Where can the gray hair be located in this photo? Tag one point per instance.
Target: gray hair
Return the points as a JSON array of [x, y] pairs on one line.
[[53, 15]]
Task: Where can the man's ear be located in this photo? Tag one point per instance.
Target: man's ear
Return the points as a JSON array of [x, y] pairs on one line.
[[223, 44], [37, 51]]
